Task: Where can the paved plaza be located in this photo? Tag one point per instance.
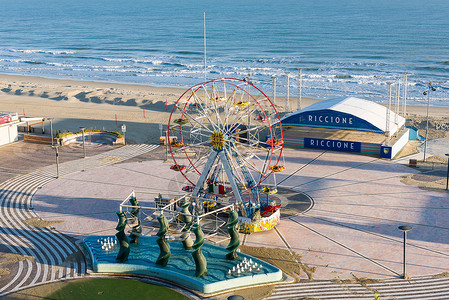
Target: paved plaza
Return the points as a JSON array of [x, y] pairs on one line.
[[350, 232]]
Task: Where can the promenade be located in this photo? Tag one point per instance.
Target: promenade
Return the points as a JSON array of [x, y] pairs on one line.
[[349, 238]]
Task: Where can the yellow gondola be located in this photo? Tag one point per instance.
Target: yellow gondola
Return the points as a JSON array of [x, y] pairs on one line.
[[274, 142], [269, 191], [241, 103], [181, 121], [176, 144], [277, 168], [220, 99], [209, 204]]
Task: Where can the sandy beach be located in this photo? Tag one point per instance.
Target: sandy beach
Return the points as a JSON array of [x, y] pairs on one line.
[[97, 105]]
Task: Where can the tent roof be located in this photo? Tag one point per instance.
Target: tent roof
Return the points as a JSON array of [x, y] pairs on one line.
[[365, 115]]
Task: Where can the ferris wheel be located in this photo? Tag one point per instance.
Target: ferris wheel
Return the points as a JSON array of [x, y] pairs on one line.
[[225, 134]]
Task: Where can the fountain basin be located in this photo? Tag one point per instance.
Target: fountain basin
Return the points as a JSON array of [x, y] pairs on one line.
[[181, 266]]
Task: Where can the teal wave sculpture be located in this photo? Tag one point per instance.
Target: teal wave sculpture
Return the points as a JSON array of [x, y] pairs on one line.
[[136, 230], [164, 247], [234, 243], [198, 256], [135, 210], [124, 250], [187, 219]]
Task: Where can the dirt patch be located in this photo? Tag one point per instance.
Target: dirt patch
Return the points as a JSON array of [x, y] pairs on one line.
[[10, 258], [108, 159], [441, 275], [14, 257], [4, 271], [289, 263], [38, 222]]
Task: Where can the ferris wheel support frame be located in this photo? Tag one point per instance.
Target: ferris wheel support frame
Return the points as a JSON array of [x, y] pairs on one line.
[[222, 155]]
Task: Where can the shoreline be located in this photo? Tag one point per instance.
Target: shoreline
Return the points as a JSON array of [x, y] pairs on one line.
[[99, 105]]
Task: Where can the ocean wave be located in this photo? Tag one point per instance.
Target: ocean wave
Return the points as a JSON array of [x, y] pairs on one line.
[[52, 52]]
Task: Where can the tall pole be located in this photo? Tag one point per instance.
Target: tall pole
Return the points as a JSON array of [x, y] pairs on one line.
[[84, 146], [427, 119], [398, 92], [404, 228], [274, 89], [300, 89], [404, 112], [387, 125], [447, 175], [287, 96], [56, 147], [204, 47], [51, 131]]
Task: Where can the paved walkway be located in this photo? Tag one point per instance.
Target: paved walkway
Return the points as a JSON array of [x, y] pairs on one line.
[[51, 254], [350, 236]]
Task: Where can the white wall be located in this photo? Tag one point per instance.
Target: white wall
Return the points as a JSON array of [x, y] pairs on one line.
[[8, 133], [397, 147]]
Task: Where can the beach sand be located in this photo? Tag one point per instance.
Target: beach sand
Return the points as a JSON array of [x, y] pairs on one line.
[[96, 105]]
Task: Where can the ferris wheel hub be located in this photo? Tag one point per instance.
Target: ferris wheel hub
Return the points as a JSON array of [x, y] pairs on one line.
[[218, 139]]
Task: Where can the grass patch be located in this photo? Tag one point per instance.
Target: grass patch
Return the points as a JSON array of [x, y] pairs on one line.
[[113, 288], [64, 134]]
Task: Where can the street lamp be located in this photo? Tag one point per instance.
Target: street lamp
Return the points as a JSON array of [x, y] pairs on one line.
[[84, 146], [427, 92], [56, 147], [404, 228], [447, 175], [51, 130], [287, 96]]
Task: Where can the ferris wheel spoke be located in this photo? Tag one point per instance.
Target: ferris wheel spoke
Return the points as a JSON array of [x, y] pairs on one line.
[[229, 103], [190, 117], [201, 110], [219, 122], [233, 125]]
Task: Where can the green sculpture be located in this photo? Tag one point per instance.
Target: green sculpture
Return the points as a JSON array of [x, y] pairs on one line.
[[198, 256], [164, 247], [123, 252], [234, 243], [187, 219], [136, 230]]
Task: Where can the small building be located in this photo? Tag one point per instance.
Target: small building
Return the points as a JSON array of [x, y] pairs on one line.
[[8, 128], [347, 124]]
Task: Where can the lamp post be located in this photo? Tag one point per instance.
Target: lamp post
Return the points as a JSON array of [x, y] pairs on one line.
[[427, 92], [287, 96], [404, 229], [51, 131], [84, 146], [274, 89], [447, 175], [56, 147]]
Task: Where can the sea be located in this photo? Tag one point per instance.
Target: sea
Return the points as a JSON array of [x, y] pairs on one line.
[[321, 48]]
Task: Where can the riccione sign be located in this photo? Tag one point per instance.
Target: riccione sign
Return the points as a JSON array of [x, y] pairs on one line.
[[334, 145], [329, 119]]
